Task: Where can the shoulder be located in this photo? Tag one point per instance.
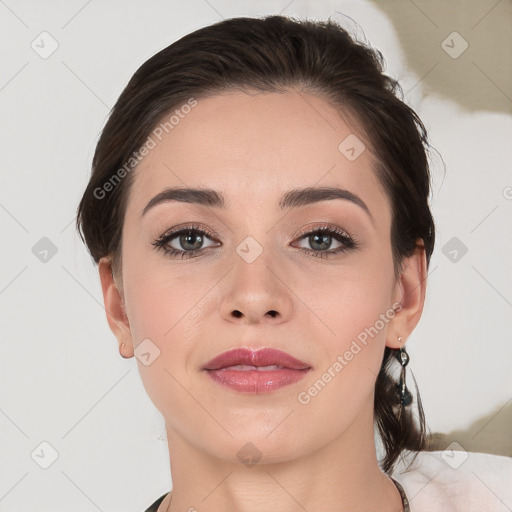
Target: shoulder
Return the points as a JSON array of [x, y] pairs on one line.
[[456, 481]]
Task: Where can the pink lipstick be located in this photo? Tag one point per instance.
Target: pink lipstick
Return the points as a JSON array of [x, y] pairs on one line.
[[259, 371]]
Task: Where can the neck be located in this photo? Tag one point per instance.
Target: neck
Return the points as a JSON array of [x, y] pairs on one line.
[[342, 475]]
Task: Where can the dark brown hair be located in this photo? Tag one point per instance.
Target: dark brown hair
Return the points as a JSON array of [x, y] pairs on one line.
[[276, 54]]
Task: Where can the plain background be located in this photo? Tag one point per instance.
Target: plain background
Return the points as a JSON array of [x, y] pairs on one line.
[[62, 381]]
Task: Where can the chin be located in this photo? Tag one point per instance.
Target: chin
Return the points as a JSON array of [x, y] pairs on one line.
[[257, 448]]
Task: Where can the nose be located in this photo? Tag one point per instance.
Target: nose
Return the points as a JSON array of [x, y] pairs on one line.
[[256, 292]]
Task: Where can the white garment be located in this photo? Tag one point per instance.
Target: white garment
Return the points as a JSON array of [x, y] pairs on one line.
[[456, 481]]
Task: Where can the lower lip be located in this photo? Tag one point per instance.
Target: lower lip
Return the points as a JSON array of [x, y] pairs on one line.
[[254, 381]]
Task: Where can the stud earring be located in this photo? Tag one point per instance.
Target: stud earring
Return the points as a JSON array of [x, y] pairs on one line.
[[404, 394]]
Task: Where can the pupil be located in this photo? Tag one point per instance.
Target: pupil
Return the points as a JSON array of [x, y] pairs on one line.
[[324, 240], [188, 237]]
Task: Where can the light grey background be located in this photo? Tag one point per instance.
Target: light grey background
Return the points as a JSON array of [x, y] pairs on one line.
[[62, 380]]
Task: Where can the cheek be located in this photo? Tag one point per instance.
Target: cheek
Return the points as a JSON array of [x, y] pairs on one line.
[[163, 307], [167, 304], [346, 301], [161, 299], [352, 314]]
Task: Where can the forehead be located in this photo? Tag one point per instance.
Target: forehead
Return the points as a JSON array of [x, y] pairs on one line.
[[252, 147]]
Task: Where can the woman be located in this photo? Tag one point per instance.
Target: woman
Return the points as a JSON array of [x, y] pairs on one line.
[[259, 212]]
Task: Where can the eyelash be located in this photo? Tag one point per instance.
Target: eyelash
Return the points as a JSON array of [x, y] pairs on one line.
[[341, 236]]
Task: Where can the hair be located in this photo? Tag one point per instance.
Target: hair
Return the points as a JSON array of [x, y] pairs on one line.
[[276, 54]]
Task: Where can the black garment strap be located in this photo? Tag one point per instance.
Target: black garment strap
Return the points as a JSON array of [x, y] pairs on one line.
[[405, 501], [156, 504]]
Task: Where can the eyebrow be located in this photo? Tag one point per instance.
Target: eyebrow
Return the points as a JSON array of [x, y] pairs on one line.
[[290, 199]]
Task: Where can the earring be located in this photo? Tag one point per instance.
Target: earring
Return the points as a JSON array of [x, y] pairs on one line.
[[405, 396]]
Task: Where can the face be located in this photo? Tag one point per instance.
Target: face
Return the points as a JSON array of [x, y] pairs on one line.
[[262, 275]]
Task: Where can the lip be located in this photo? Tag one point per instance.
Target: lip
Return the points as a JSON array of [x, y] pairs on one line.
[[244, 370], [261, 357]]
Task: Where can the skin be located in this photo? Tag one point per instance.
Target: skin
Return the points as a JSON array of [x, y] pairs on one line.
[[252, 148]]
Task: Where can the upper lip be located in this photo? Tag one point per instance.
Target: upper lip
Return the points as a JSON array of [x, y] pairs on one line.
[[261, 357]]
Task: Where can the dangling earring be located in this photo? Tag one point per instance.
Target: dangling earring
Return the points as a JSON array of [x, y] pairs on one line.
[[405, 396]]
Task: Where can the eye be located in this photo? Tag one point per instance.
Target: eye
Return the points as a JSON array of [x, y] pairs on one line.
[[321, 239], [184, 242], [187, 241]]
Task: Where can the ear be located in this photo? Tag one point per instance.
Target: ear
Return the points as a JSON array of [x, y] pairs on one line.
[[410, 293], [114, 308]]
